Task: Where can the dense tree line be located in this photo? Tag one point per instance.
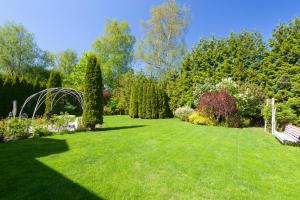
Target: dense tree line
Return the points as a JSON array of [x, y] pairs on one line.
[[246, 59], [17, 88], [148, 99]]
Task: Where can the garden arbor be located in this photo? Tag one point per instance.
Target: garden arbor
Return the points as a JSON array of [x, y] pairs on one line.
[[55, 95]]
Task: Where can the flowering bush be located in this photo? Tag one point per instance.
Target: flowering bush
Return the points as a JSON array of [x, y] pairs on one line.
[[183, 113], [198, 118], [227, 84], [200, 89], [218, 104]]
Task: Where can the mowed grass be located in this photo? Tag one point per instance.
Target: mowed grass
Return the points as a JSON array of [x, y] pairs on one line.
[[151, 159]]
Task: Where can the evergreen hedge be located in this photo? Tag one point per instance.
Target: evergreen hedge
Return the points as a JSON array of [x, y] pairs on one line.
[[148, 100], [18, 88]]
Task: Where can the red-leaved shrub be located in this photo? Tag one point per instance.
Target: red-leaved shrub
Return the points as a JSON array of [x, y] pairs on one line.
[[106, 96], [219, 104]]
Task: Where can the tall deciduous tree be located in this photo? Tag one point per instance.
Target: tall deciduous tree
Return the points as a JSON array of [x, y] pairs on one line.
[[163, 46], [114, 50], [19, 53], [66, 61], [93, 93]]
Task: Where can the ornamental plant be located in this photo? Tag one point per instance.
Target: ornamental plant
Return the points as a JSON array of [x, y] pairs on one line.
[[218, 104], [183, 113]]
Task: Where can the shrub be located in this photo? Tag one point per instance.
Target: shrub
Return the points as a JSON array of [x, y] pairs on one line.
[[201, 89], [183, 113], [106, 96], [285, 115], [93, 94], [59, 123], [16, 129], [218, 104], [233, 120], [250, 100], [41, 131], [200, 119], [227, 84], [245, 122]]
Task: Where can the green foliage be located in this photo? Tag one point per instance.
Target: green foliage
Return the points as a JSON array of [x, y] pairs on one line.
[[18, 88], [233, 120], [13, 129], [215, 59], [54, 81], [114, 50], [285, 115], [19, 53], [133, 110], [201, 119], [281, 65], [66, 61], [148, 99], [93, 97], [121, 95], [76, 77]]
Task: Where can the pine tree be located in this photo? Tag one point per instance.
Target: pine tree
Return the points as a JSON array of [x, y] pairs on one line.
[[93, 94], [54, 81]]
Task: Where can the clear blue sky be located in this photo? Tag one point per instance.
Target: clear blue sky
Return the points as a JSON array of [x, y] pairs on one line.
[[75, 24]]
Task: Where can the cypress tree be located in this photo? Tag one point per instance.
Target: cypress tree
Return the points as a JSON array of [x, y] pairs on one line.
[[93, 94], [148, 101], [140, 98], [154, 104], [53, 82], [160, 102], [133, 110], [145, 85]]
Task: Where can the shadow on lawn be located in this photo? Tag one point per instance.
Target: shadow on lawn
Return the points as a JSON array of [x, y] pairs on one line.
[[24, 177], [119, 128]]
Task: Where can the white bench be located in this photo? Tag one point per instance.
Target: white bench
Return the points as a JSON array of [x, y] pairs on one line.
[[291, 134]]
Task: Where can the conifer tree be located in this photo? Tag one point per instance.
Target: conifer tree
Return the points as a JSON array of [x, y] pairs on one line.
[[148, 101], [154, 104], [93, 94], [133, 110], [140, 97], [145, 85]]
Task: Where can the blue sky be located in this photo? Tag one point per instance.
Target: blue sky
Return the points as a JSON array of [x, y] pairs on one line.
[[75, 24]]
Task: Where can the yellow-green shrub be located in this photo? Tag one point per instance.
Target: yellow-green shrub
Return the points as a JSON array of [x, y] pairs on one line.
[[198, 118]]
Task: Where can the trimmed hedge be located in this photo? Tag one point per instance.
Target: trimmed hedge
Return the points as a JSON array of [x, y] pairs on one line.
[[15, 88]]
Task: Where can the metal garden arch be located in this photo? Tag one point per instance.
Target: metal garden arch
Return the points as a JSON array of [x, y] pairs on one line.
[[56, 94]]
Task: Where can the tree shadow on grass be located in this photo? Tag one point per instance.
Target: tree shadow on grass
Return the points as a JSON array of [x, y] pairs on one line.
[[119, 128], [24, 177]]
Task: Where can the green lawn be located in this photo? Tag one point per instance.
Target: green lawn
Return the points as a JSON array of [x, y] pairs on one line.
[[151, 159]]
